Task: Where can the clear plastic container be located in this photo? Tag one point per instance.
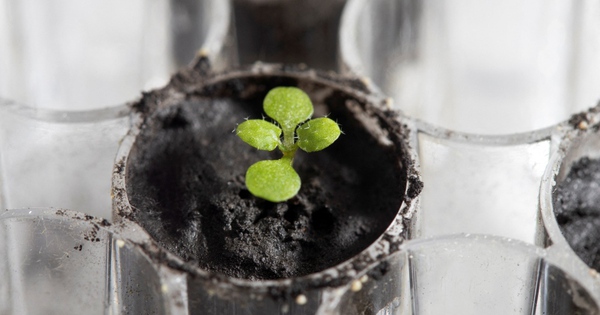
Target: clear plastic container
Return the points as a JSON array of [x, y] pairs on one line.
[[482, 67], [66, 71], [485, 80], [69, 55], [210, 292], [572, 143], [486, 185], [482, 83], [71, 263], [59, 158], [471, 275], [64, 262]]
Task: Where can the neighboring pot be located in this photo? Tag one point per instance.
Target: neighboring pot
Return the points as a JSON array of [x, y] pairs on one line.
[[57, 261], [569, 192], [179, 176]]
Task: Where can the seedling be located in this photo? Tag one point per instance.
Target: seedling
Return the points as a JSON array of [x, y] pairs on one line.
[[291, 108]]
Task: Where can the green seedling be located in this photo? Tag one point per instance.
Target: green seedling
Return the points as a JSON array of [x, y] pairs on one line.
[[291, 108]]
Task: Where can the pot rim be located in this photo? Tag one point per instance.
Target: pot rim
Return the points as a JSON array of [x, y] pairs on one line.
[[334, 276], [566, 136]]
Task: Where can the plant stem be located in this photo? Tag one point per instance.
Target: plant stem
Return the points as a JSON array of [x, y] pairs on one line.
[[289, 146], [289, 158]]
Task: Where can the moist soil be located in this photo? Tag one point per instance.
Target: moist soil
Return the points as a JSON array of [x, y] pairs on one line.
[[577, 209], [185, 182]]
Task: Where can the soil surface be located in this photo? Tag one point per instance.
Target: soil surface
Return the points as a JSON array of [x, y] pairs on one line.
[[185, 181], [577, 208]]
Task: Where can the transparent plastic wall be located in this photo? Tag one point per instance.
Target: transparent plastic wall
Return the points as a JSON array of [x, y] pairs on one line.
[[70, 55], [59, 255], [214, 292], [64, 262], [60, 159], [486, 82], [483, 83], [576, 142], [68, 68], [471, 275], [482, 67]]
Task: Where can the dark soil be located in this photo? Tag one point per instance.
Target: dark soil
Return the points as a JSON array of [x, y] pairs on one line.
[[185, 181], [577, 208]]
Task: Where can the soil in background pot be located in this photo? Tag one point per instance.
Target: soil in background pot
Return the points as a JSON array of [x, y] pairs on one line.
[[577, 209], [185, 182]]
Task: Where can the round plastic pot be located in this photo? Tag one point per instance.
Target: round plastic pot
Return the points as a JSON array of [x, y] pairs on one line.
[[210, 292]]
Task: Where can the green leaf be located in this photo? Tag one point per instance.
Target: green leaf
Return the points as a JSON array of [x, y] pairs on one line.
[[317, 134], [289, 106], [273, 180], [260, 134]]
